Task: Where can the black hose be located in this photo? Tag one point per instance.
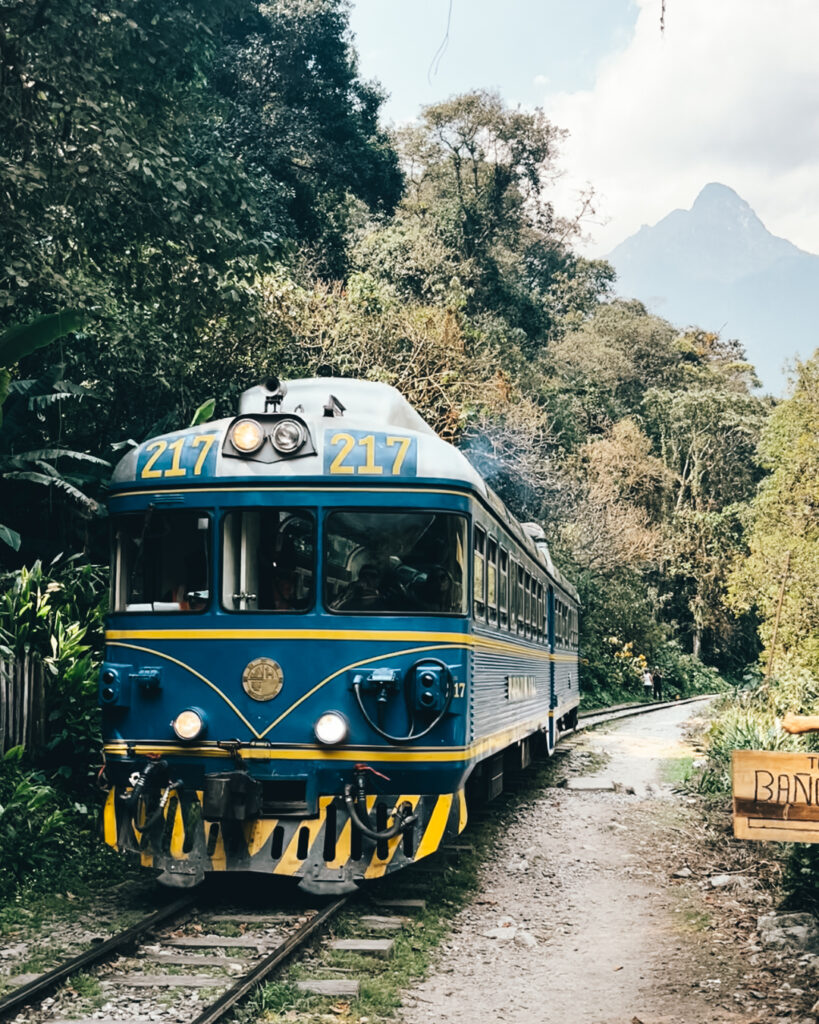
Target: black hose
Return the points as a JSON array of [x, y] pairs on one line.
[[398, 825], [410, 735]]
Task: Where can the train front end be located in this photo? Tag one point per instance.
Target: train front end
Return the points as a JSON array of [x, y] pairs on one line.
[[285, 686]]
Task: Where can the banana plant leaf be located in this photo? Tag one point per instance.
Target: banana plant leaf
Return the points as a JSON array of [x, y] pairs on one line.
[[204, 412], [10, 537], [20, 340]]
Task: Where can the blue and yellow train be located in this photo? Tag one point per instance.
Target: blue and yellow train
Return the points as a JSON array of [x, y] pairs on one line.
[[323, 624]]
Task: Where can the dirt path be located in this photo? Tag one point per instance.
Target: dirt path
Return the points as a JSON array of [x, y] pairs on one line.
[[580, 920]]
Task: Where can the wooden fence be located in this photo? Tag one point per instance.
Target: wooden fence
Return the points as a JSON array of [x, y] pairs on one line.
[[22, 704]]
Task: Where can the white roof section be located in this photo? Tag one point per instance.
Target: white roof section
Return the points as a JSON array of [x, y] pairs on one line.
[[382, 405]]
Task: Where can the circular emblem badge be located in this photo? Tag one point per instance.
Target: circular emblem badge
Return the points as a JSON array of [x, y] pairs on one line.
[[262, 679]]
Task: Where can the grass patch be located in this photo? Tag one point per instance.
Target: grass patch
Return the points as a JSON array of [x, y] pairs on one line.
[[677, 770]]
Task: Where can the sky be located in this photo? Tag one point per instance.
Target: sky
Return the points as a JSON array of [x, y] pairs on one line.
[[728, 92]]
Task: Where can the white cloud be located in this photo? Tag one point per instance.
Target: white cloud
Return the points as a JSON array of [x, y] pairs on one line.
[[728, 93]]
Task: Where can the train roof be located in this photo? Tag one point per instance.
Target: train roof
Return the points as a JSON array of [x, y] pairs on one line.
[[330, 408]]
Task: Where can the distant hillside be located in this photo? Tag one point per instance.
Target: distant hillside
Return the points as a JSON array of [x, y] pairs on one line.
[[717, 266]]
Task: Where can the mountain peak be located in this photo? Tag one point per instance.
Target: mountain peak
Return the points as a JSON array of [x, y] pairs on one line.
[[717, 193], [717, 200], [717, 265]]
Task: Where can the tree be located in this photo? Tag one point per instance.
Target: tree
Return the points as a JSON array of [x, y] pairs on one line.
[[783, 529], [304, 125], [477, 229]]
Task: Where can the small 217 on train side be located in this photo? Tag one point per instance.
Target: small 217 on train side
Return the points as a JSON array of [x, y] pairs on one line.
[[324, 625]]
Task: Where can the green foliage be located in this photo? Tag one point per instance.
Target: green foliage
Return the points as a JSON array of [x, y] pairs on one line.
[[41, 830], [156, 160], [55, 617], [203, 413], [783, 530], [21, 340]]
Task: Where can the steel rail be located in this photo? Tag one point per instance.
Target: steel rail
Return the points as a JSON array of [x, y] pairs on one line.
[[39, 986], [587, 719], [228, 1000]]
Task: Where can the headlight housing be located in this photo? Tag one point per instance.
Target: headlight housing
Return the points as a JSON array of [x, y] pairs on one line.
[[189, 724], [331, 729], [287, 436], [247, 436]]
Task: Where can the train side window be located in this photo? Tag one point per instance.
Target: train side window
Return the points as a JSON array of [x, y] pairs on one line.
[[539, 611], [478, 574], [268, 560], [527, 599], [492, 580], [521, 600], [503, 588]]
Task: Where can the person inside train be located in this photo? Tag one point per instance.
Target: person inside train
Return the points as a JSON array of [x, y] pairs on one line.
[[283, 587], [364, 593]]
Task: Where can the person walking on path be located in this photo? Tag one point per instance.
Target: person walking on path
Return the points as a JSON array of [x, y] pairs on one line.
[[658, 683], [648, 684]]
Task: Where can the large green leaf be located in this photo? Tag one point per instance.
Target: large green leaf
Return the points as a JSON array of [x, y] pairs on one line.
[[61, 453], [204, 412], [10, 537], [20, 340]]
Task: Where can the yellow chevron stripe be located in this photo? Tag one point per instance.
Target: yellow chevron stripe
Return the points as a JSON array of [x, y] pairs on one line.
[[290, 862], [178, 834], [435, 829], [463, 815], [377, 867], [109, 819], [218, 859], [343, 848], [213, 686], [257, 833]]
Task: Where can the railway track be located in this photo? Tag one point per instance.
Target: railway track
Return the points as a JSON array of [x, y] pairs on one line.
[[167, 950], [588, 719], [184, 937]]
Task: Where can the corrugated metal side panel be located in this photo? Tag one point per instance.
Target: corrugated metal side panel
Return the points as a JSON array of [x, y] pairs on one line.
[[490, 710], [566, 681]]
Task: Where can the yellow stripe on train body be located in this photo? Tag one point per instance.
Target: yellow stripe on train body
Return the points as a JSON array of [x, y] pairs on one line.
[[426, 755], [465, 640]]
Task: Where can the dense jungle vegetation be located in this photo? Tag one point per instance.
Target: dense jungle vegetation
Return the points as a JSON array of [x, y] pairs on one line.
[[195, 195]]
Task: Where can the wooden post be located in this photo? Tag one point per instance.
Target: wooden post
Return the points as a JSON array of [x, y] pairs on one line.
[[778, 615]]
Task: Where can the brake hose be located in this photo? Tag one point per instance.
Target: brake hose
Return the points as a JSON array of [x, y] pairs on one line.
[[403, 817]]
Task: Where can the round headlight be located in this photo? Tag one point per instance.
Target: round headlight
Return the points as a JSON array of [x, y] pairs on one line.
[[331, 728], [188, 725], [247, 436], [288, 436]]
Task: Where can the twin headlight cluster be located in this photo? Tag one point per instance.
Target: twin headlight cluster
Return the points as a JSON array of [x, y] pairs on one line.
[[286, 435], [331, 729]]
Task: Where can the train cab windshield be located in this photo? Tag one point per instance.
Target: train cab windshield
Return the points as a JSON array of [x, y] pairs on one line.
[[161, 562], [269, 559], [395, 563]]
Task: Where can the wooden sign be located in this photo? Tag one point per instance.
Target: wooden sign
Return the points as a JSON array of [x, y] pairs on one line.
[[776, 796]]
